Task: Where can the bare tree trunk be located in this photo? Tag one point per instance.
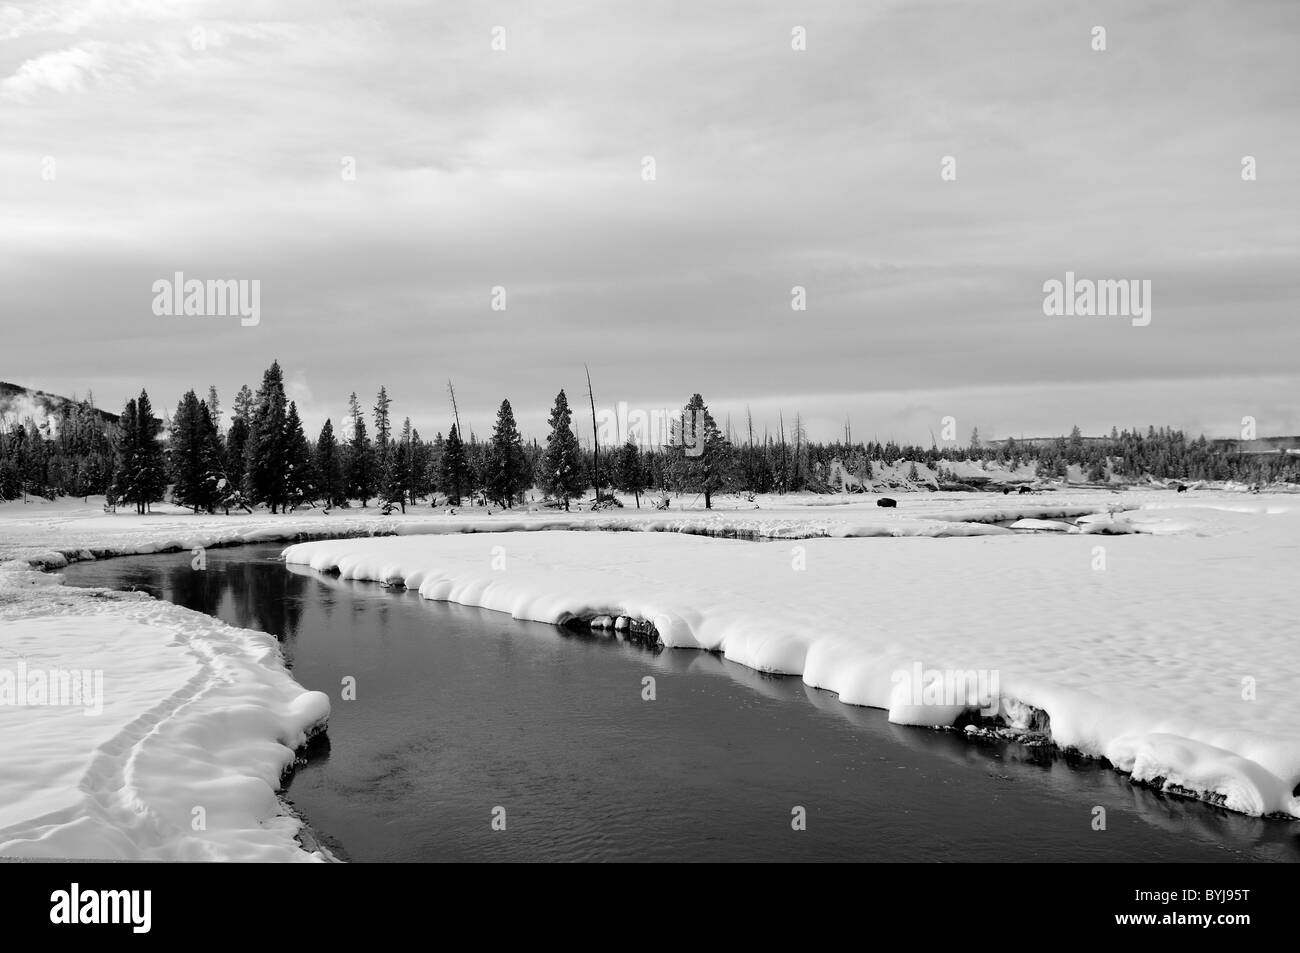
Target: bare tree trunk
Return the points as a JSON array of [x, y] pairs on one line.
[[454, 410], [595, 436]]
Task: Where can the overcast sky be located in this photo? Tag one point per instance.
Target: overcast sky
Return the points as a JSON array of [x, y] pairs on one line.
[[209, 138]]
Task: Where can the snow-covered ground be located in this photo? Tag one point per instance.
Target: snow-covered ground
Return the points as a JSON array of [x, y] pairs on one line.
[[1169, 656], [134, 729], [46, 533]]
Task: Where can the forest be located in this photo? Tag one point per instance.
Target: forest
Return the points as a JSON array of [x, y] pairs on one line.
[[263, 458]]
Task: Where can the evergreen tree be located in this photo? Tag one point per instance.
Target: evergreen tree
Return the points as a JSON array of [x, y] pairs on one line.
[[267, 454], [237, 440], [189, 455], [700, 457], [244, 404], [124, 468], [383, 426], [153, 468], [300, 470], [453, 476], [418, 483], [630, 476], [142, 476], [397, 470], [507, 467], [329, 467], [561, 467], [384, 452], [360, 461], [214, 407], [218, 490]]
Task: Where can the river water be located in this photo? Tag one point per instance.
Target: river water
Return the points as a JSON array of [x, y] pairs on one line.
[[463, 716]]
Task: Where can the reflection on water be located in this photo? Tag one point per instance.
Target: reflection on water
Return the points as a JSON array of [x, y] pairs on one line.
[[460, 711], [242, 593]]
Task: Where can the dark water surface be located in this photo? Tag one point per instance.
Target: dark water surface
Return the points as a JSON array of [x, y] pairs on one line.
[[459, 711]]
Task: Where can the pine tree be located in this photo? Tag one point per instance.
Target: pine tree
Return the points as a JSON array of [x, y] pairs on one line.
[[152, 469], [453, 474], [244, 404], [397, 470], [237, 441], [300, 470], [124, 468], [417, 481], [141, 477], [329, 467], [383, 426], [700, 457], [561, 469], [189, 451], [214, 407], [266, 455], [507, 467], [218, 490], [360, 458], [433, 467], [630, 476]]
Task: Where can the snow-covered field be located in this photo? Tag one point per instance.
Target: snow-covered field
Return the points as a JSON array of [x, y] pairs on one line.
[[46, 533], [1166, 651]]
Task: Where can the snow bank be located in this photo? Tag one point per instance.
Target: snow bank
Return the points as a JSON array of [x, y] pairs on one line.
[[50, 535], [172, 744], [1163, 653]]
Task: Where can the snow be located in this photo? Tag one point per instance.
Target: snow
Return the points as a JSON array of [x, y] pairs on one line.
[[1143, 658], [51, 534], [1052, 526], [177, 756], [1142, 661]]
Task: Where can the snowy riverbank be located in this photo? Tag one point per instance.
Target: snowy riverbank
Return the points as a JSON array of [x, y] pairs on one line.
[[132, 729], [1163, 652]]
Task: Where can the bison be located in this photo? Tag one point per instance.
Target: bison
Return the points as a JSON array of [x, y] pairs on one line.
[[886, 501]]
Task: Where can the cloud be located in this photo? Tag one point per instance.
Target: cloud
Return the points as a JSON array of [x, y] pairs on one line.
[[64, 71], [523, 169]]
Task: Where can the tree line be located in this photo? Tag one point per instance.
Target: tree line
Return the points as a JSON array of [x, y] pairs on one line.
[[263, 458]]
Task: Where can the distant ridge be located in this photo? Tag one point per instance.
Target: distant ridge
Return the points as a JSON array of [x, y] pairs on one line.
[[22, 401]]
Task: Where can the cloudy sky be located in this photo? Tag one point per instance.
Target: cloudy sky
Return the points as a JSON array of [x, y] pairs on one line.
[[146, 137]]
